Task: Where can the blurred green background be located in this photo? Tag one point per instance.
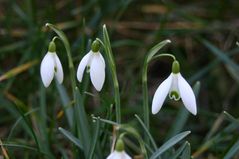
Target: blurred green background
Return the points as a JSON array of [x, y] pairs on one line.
[[203, 35]]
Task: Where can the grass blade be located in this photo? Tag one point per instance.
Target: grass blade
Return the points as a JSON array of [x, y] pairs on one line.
[[82, 123], [95, 139], [221, 55], [187, 152], [171, 142], [72, 138], [147, 132], [231, 118], [179, 151], [155, 49], [65, 103], [232, 151]]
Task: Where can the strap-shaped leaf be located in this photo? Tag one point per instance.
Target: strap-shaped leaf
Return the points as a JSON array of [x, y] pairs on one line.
[[171, 142], [71, 137], [156, 48]]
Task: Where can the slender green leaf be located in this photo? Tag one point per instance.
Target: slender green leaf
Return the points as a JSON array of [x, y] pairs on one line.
[[179, 151], [134, 133], [71, 137], [95, 139], [111, 62], [186, 152], [231, 118], [171, 142], [82, 123], [220, 54], [65, 102], [232, 151], [147, 132], [156, 48]]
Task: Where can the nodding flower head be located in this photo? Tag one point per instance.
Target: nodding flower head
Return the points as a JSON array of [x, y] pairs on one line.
[[176, 87], [95, 64], [51, 66]]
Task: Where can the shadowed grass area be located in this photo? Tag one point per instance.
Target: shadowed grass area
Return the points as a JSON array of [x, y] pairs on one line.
[[43, 123]]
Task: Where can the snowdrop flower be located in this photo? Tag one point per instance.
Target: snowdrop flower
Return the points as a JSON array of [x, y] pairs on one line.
[[51, 66], [119, 152], [177, 87], [95, 64]]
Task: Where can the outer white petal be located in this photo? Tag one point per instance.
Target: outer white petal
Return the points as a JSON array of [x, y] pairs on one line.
[[47, 69], [102, 58], [97, 71], [125, 155], [160, 94], [84, 62], [59, 71], [119, 155], [187, 95]]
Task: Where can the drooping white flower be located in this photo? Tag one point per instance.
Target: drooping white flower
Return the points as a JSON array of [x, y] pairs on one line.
[[51, 66], [96, 65], [119, 155], [176, 87]]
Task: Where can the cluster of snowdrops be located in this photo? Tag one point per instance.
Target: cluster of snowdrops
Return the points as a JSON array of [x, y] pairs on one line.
[[174, 86]]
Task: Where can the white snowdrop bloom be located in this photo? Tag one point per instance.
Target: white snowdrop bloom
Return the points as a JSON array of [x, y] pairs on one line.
[[119, 155], [51, 66], [95, 64], [176, 87]]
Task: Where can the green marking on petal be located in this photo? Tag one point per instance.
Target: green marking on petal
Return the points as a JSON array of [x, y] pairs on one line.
[[55, 69], [174, 95], [88, 69]]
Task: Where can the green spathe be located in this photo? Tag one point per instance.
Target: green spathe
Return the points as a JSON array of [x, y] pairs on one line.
[[175, 67], [95, 47], [52, 47], [119, 145]]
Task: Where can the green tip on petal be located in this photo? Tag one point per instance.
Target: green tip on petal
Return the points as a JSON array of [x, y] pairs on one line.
[[175, 67], [52, 47], [119, 145], [95, 47], [174, 95]]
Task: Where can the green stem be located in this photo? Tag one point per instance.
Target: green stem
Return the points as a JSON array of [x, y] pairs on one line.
[[164, 55], [145, 89], [112, 68]]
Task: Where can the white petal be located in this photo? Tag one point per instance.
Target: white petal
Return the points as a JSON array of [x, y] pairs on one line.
[[97, 71], [113, 155], [59, 71], [47, 69], [119, 155], [125, 155], [160, 94], [187, 95], [84, 62], [102, 59]]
